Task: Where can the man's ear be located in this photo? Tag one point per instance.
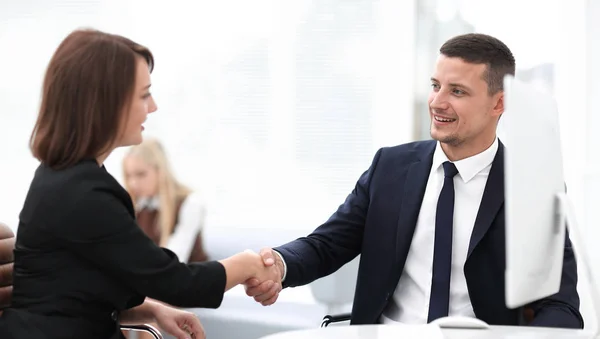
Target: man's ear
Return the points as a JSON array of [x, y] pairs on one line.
[[499, 106]]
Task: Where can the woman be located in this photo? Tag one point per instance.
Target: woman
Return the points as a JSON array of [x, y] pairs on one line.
[[167, 211], [82, 264]]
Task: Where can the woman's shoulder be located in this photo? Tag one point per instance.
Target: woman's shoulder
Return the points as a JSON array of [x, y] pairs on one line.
[[62, 199], [82, 177], [64, 187]]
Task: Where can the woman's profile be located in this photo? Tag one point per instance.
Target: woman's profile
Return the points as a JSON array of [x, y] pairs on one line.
[[82, 265], [170, 213]]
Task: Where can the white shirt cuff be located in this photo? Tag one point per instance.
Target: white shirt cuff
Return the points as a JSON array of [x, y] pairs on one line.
[[284, 265]]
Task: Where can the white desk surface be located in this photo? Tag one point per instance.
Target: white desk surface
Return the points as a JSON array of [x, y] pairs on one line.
[[430, 332]]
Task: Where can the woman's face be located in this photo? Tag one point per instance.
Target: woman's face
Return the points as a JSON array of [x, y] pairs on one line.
[[140, 177], [142, 104]]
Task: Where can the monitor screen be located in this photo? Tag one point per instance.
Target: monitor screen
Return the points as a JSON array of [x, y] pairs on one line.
[[535, 231]]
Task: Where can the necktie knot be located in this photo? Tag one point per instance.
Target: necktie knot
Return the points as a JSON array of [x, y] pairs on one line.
[[449, 169]]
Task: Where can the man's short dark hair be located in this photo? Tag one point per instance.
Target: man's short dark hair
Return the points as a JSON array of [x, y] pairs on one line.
[[479, 48]]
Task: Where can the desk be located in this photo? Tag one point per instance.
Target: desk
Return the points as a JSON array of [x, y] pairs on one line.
[[240, 317], [430, 332]]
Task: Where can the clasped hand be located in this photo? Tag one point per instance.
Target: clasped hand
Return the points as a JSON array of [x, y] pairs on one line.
[[266, 285]]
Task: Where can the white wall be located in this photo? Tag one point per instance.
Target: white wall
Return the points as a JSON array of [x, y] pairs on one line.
[[273, 109]]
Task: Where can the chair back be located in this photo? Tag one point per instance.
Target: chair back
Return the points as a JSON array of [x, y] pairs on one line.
[[7, 245]]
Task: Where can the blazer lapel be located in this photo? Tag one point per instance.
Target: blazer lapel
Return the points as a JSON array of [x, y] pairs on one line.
[[414, 190], [492, 200]]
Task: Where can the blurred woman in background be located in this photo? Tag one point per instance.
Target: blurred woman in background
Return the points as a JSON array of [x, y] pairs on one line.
[[168, 212]]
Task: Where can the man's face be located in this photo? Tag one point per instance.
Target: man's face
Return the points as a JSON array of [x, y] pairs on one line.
[[462, 112]]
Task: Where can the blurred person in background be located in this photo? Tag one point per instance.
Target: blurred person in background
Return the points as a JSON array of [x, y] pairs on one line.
[[82, 265], [170, 214]]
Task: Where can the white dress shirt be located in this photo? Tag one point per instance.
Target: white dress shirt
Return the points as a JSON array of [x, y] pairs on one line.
[[190, 222], [410, 301]]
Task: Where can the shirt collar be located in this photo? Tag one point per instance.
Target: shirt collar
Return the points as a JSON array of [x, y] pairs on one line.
[[151, 203], [469, 167]]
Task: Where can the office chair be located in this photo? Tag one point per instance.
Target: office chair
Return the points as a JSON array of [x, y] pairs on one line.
[[6, 258], [330, 319], [143, 328]]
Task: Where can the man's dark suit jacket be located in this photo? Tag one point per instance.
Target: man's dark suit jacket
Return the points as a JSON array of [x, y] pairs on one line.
[[378, 220], [80, 259]]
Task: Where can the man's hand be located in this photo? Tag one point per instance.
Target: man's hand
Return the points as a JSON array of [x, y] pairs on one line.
[[178, 323], [266, 291]]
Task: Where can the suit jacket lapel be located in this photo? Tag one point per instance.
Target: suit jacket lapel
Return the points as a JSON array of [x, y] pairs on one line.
[[492, 200], [414, 190]]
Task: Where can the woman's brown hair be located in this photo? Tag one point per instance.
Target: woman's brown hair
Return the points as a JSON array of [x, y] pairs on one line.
[[86, 93]]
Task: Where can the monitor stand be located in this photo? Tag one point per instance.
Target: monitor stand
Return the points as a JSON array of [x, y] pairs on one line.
[[565, 217]]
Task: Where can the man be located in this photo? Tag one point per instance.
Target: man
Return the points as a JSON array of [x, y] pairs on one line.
[[428, 217]]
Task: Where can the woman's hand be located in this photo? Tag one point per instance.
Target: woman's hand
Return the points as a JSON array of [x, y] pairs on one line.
[[178, 323], [247, 265]]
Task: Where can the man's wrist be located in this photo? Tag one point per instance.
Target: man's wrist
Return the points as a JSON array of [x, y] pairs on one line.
[[280, 262]]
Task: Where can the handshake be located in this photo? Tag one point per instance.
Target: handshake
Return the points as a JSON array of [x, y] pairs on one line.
[[265, 284]]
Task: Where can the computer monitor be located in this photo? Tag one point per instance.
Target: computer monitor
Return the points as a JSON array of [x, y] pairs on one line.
[[534, 187]]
